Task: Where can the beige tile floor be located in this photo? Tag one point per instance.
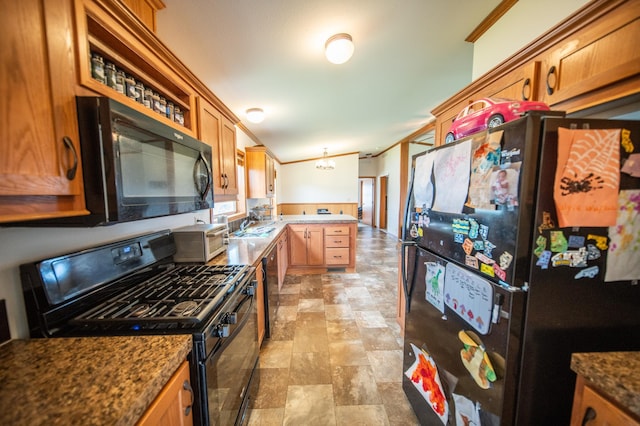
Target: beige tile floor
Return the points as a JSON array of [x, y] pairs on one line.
[[335, 356]]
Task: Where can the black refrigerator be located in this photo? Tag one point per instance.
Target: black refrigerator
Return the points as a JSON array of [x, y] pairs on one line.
[[521, 246]]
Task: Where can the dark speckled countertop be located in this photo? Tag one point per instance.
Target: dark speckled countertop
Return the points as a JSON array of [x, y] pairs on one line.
[[85, 381], [617, 374], [248, 251]]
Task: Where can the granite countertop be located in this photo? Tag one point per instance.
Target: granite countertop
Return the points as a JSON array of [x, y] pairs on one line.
[[87, 380], [249, 251], [613, 373]]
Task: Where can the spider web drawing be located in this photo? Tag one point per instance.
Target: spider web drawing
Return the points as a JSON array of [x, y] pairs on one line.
[[595, 152]]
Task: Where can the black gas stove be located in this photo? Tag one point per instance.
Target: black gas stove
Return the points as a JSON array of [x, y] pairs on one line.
[[133, 287], [181, 297]]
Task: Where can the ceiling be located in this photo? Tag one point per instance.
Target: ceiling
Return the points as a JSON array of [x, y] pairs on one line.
[[410, 56]]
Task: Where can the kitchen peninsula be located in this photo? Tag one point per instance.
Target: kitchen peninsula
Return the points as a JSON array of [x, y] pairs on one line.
[[323, 232]]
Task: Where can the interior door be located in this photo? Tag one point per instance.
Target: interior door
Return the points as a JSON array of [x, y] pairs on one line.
[[367, 200], [383, 203]]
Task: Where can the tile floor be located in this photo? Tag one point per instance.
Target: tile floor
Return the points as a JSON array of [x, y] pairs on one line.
[[335, 356]]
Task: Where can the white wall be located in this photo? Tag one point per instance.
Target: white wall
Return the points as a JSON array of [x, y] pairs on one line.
[[303, 183], [523, 23], [368, 167]]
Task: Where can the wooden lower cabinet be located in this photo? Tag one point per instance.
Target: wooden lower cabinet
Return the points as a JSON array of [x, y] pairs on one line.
[[336, 245], [322, 246], [260, 273], [306, 245], [173, 405], [283, 257], [592, 408]]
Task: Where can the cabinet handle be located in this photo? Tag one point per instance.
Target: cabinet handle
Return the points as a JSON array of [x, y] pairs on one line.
[[71, 173], [552, 72], [589, 414], [526, 84], [187, 386]]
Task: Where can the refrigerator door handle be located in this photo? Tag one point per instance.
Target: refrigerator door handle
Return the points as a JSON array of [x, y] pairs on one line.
[[405, 286]]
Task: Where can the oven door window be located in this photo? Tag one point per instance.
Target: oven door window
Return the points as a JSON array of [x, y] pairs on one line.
[[231, 366], [153, 169]]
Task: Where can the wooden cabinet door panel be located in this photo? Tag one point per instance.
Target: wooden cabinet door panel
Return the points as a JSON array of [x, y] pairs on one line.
[[229, 156], [593, 60], [40, 141], [33, 157], [589, 403], [219, 132], [209, 124], [172, 406], [315, 245], [298, 245]]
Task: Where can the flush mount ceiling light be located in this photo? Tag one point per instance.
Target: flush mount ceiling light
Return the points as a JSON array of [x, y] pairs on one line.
[[255, 115], [325, 163], [339, 48]]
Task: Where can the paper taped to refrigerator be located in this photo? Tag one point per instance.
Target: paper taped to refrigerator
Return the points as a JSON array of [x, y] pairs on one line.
[[469, 296], [422, 186], [624, 248], [434, 284], [451, 175]]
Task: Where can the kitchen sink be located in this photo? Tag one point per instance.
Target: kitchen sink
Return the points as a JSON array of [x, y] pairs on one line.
[[263, 231]]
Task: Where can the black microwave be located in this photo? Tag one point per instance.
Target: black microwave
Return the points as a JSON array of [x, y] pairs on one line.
[[136, 167]]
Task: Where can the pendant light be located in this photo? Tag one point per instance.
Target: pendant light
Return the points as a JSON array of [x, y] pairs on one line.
[[325, 163]]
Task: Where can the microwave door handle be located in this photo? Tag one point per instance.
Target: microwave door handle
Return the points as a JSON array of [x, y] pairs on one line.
[[202, 193]]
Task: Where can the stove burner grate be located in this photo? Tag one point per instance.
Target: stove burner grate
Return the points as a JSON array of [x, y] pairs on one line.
[[184, 294]]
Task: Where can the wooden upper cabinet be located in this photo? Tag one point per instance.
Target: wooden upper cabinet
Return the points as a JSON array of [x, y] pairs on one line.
[[590, 58], [260, 172], [596, 57], [40, 170], [229, 161], [520, 84], [146, 11], [218, 131]]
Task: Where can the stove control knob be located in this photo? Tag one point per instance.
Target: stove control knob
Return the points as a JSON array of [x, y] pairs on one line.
[[251, 289], [231, 318], [223, 330]]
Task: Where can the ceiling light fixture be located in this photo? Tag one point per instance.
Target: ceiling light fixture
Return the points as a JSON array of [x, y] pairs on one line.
[[255, 115], [325, 163], [339, 48]]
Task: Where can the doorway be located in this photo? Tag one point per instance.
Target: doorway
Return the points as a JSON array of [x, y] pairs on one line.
[[384, 180], [368, 199]]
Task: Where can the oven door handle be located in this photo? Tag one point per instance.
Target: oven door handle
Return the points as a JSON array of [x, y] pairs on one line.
[[225, 341], [220, 232]]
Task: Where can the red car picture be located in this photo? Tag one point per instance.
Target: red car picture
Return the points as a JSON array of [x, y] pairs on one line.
[[486, 113]]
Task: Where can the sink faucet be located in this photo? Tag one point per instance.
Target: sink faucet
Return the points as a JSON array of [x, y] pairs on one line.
[[246, 223]]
